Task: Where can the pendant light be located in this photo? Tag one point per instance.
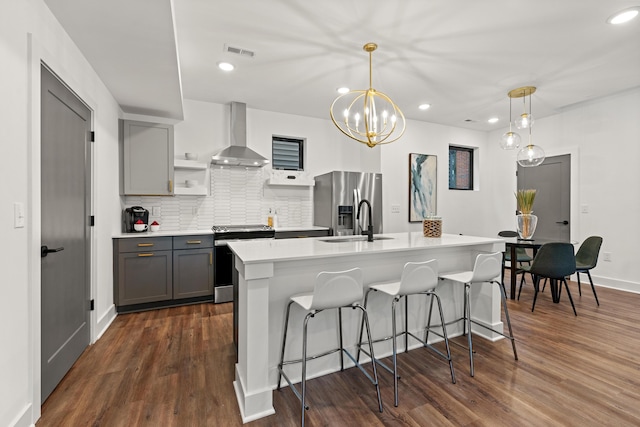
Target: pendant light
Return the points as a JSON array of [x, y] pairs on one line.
[[368, 116], [510, 140], [530, 155], [525, 121]]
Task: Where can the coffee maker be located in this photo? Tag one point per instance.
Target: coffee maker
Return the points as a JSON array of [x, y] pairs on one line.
[[132, 215]]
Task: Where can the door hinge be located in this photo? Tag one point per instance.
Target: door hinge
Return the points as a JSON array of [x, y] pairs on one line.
[[92, 305], [92, 221], [92, 136]]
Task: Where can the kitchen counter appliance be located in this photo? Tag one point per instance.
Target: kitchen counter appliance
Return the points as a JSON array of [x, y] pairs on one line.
[[225, 275], [132, 215]]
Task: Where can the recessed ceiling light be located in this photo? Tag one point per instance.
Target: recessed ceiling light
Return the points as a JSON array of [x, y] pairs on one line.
[[225, 66], [623, 16], [424, 106], [493, 120], [343, 90]]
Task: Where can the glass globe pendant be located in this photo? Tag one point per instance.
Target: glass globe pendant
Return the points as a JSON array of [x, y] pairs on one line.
[[525, 121], [530, 155], [510, 140]]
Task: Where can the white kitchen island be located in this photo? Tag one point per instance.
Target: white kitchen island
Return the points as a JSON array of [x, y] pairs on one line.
[[270, 271]]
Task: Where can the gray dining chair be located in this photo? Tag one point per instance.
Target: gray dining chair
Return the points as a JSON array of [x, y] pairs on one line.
[[554, 261], [587, 259], [521, 254]]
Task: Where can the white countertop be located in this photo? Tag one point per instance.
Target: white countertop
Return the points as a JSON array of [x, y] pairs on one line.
[[257, 251], [172, 233], [162, 233]]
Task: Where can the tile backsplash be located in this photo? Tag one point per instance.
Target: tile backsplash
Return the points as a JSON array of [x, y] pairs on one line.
[[238, 196]]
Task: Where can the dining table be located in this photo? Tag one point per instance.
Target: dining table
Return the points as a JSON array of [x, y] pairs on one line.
[[512, 243]]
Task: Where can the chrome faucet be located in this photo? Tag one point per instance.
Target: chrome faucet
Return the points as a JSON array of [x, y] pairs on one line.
[[369, 231]]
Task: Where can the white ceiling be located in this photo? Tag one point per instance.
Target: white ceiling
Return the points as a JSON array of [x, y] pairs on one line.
[[461, 56]]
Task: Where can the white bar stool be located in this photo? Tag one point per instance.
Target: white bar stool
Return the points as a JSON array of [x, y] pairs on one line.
[[417, 278], [486, 269], [337, 290]]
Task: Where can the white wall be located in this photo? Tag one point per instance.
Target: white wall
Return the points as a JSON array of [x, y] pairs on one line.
[[462, 212], [240, 196], [205, 130], [29, 34], [604, 134]]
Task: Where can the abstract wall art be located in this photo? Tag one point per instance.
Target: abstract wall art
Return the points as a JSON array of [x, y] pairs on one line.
[[422, 186]]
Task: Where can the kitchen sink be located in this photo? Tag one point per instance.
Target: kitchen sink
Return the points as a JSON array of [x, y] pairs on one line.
[[354, 239]]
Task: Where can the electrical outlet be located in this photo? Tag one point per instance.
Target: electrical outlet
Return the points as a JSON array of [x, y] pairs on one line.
[[606, 256], [395, 208], [584, 208], [194, 210], [155, 211]]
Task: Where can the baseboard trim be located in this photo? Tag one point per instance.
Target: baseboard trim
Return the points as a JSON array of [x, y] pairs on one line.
[[24, 418], [607, 282], [105, 321]]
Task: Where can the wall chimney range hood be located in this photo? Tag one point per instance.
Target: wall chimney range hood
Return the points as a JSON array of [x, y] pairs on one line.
[[238, 154]]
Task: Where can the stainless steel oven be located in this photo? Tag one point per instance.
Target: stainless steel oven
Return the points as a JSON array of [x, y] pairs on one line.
[[224, 272]]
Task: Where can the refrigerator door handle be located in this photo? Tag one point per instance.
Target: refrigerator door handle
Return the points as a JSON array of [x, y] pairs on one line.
[[356, 201]]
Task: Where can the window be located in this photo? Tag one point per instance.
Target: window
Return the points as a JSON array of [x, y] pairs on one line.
[[460, 168], [287, 153]]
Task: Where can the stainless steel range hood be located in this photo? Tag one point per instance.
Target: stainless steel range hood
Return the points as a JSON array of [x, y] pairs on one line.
[[238, 154]]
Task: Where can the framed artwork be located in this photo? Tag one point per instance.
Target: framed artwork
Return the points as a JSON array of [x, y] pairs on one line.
[[422, 186]]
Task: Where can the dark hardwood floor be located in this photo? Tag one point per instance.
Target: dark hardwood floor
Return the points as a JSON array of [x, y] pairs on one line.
[[174, 367]]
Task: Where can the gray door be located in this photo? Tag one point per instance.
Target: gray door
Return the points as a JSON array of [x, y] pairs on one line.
[[552, 180], [65, 203]]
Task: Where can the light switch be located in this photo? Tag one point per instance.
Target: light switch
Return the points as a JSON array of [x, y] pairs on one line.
[[395, 208], [584, 208], [18, 215]]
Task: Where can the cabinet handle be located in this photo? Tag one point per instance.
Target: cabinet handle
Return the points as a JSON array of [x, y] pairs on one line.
[[145, 254], [194, 242], [210, 258], [144, 245], [170, 185]]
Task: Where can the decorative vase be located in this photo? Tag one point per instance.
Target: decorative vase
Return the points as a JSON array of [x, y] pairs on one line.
[[526, 225]]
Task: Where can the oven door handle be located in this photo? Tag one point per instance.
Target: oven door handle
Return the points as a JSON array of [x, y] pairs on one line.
[[224, 242]]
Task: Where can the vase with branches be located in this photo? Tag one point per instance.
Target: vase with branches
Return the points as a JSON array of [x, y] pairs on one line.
[[526, 221]]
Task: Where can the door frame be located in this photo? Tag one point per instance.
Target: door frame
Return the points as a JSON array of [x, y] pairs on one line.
[[574, 203], [37, 55]]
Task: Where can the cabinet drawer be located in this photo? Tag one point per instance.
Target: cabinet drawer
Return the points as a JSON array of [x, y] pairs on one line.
[[193, 242], [144, 244]]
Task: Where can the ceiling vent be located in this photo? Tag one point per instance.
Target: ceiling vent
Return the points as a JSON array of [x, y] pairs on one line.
[[239, 51]]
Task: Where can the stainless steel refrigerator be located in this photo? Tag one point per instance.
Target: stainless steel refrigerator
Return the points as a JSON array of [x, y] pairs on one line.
[[336, 196]]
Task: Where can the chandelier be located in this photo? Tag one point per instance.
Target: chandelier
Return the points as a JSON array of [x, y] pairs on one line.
[[530, 155], [368, 116]]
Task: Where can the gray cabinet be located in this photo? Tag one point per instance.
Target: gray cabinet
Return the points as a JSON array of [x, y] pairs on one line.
[[153, 272], [143, 270], [192, 266], [147, 158]]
